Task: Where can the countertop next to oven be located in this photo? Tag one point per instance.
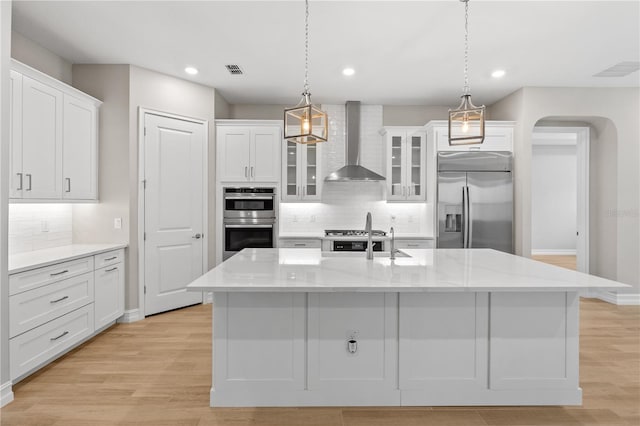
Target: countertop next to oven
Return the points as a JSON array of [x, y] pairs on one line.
[[320, 235], [39, 258]]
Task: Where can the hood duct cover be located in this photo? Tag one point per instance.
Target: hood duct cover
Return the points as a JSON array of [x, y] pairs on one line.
[[353, 171]]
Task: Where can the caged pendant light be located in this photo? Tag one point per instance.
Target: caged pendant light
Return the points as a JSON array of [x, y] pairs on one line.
[[466, 123], [305, 123]]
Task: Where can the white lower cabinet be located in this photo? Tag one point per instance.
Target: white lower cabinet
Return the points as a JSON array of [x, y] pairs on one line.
[[35, 347], [300, 243], [109, 293], [54, 308]]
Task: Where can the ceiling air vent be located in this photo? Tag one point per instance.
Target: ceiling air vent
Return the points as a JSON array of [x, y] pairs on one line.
[[620, 70], [234, 69]]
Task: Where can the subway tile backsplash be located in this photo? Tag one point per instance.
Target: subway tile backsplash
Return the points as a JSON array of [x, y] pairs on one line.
[[39, 226]]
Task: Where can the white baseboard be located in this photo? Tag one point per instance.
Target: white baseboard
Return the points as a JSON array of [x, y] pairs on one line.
[[132, 315], [617, 298], [6, 393], [552, 252]]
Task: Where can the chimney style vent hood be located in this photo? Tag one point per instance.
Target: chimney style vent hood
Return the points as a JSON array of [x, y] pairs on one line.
[[353, 171]]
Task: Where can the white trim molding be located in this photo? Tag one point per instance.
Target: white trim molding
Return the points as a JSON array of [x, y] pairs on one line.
[[6, 393], [553, 252], [130, 315], [620, 299]]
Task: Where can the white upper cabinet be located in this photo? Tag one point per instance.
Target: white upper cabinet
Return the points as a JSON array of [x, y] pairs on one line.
[[406, 165], [498, 137], [54, 139], [301, 172], [41, 140], [248, 151], [79, 149]]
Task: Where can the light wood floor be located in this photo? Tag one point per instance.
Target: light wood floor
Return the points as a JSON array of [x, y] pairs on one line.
[[568, 262], [158, 371]]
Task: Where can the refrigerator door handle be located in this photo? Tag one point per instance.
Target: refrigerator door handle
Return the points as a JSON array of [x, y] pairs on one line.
[[464, 217], [469, 221]]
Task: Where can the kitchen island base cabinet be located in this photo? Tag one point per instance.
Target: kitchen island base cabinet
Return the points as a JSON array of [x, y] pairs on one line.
[[377, 348]]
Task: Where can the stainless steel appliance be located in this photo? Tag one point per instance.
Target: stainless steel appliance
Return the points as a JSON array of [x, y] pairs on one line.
[[249, 219], [353, 240], [475, 200]]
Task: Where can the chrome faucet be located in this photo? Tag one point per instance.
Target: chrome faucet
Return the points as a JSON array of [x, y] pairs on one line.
[[392, 255], [367, 229]]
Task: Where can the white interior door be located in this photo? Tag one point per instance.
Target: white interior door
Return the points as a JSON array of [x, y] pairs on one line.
[[174, 153]]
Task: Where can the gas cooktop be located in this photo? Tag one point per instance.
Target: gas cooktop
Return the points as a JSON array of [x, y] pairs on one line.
[[352, 233]]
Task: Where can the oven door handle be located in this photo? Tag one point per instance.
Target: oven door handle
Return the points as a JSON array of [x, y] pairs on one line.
[[248, 226]]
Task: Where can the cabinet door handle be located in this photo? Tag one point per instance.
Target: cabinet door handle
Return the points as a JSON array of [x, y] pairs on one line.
[[59, 273], [59, 300], [68, 184], [298, 190], [110, 258], [304, 191], [60, 336], [29, 176], [246, 169], [403, 190], [20, 176], [252, 171], [111, 269]]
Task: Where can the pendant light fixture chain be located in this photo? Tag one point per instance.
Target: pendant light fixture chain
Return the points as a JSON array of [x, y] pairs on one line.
[[306, 49], [466, 47]]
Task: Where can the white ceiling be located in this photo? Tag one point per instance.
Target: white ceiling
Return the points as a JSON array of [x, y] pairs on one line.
[[404, 52]]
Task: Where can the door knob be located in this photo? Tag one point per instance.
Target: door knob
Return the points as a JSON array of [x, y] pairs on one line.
[[197, 236]]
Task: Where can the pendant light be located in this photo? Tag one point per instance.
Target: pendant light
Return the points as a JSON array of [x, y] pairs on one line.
[[305, 123], [466, 123]]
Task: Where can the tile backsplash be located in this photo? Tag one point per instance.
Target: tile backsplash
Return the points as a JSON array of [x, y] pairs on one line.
[[345, 204], [39, 226]]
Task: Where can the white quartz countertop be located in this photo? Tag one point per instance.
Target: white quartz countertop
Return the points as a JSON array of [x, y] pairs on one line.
[[321, 236], [38, 258], [311, 270]]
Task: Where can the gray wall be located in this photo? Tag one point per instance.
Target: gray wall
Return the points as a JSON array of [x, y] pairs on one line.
[[257, 112], [619, 137], [5, 55], [412, 115], [36, 56]]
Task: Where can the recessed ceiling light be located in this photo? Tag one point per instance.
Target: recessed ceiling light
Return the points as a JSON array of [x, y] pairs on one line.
[[498, 73], [348, 71], [191, 70]]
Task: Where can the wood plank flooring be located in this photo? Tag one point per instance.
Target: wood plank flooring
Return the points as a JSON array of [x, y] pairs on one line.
[[564, 261], [158, 371]]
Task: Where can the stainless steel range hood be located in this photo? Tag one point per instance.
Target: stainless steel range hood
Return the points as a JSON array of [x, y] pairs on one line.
[[353, 171]]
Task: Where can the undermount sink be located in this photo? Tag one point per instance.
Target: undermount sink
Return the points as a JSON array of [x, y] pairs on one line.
[[382, 254]]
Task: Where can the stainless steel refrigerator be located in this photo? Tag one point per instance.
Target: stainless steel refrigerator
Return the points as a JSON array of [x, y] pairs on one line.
[[475, 200]]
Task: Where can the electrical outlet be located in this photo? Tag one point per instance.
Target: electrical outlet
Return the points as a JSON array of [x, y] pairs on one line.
[[312, 218], [393, 218], [117, 223], [295, 218], [44, 226], [411, 219]]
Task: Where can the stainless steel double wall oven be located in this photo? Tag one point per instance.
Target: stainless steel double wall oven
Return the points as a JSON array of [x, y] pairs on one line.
[[249, 219]]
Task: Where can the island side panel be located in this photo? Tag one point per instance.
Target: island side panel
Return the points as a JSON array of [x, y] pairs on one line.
[[258, 348], [366, 372], [443, 347], [534, 345]]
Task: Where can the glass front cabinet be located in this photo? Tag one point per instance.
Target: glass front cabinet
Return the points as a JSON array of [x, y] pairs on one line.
[[406, 165], [301, 175]]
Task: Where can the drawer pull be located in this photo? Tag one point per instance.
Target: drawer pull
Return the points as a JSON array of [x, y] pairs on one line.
[[59, 337], [413, 245], [110, 258], [59, 300], [299, 245], [111, 269], [59, 273]]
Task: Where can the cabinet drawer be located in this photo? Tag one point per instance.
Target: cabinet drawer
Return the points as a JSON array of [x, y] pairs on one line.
[[35, 278], [36, 307], [109, 258], [35, 347], [414, 244], [300, 243]]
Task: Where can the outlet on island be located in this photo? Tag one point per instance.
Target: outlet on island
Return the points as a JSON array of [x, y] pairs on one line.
[[117, 223]]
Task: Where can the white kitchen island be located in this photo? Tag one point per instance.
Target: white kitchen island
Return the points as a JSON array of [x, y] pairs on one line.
[[301, 327]]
